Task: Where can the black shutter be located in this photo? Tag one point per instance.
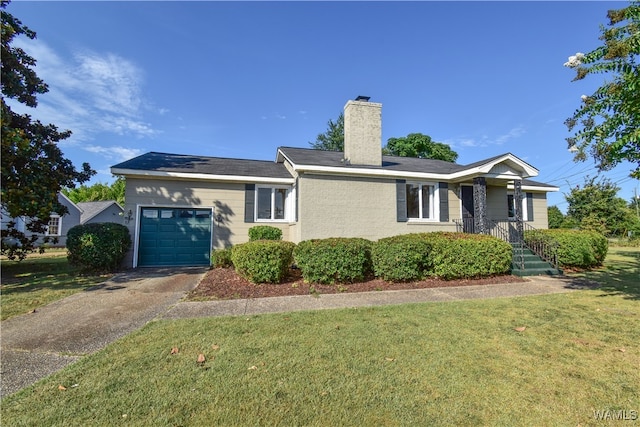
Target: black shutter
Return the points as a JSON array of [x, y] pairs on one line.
[[444, 201], [529, 206], [401, 200], [249, 202]]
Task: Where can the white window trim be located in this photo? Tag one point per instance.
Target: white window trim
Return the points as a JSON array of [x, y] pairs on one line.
[[525, 213], [59, 233], [434, 199], [288, 203]]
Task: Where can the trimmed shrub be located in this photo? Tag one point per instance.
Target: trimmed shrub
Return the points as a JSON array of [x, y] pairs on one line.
[[221, 258], [466, 256], [334, 260], [576, 248], [264, 232], [401, 258], [263, 261], [98, 247]]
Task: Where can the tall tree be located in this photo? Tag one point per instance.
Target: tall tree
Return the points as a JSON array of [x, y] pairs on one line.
[[607, 123], [34, 169], [555, 216], [421, 146], [333, 138], [596, 206], [97, 192]]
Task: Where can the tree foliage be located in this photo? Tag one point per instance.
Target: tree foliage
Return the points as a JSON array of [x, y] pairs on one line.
[[607, 123], [412, 145], [420, 146], [596, 206], [34, 169], [333, 138], [555, 216], [97, 192]]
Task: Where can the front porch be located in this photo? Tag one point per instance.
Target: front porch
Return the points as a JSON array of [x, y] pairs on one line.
[[478, 217]]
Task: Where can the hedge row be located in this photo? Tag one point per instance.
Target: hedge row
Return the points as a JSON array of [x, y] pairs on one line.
[[347, 260], [576, 248]]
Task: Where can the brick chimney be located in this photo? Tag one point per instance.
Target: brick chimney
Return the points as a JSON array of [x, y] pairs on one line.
[[363, 132]]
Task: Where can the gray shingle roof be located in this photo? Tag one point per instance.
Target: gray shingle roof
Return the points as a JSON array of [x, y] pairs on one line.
[[312, 157], [91, 209], [164, 162]]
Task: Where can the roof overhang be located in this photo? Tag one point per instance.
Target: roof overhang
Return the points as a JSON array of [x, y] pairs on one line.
[[199, 176], [507, 167]]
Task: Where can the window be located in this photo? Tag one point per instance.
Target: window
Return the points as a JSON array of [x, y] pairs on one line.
[[421, 201], [511, 207], [54, 226], [271, 203]]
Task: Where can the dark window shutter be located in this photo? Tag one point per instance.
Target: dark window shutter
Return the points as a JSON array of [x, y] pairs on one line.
[[444, 201], [401, 200], [249, 202], [529, 206]]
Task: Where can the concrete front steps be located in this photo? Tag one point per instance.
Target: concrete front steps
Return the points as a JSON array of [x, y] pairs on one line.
[[533, 264]]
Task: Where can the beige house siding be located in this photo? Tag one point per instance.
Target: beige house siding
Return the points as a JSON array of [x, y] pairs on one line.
[[355, 207], [226, 200], [540, 214]]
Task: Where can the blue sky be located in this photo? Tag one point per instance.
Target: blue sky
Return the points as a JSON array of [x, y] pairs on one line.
[[239, 79]]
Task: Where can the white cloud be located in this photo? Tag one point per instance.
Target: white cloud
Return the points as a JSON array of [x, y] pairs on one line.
[[90, 93], [117, 153], [513, 133]]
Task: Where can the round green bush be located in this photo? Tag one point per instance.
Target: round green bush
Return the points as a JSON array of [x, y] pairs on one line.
[[264, 232], [334, 260], [576, 248], [221, 258], [466, 256], [98, 246], [401, 258], [263, 261]]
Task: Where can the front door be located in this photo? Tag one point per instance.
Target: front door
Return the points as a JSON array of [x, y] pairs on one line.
[[467, 208]]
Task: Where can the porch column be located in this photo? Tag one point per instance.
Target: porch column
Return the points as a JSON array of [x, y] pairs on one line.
[[480, 205], [517, 200]]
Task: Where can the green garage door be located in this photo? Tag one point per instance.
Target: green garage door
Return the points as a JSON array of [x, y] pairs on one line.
[[174, 237]]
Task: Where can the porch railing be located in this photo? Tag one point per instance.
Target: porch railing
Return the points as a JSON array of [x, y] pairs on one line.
[[508, 231]]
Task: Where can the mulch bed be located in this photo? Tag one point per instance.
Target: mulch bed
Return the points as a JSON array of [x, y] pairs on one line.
[[225, 283]]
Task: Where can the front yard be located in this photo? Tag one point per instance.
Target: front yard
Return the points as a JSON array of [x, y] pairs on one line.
[[40, 280], [561, 359]]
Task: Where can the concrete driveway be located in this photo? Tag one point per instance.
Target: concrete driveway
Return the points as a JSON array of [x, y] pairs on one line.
[[35, 345]]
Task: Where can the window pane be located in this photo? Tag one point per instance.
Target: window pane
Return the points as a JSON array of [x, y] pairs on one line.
[[511, 207], [166, 213], [426, 201], [203, 214], [54, 227], [150, 213], [186, 213], [281, 196], [413, 201], [264, 203]]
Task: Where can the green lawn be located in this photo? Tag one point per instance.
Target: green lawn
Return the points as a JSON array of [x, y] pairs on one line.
[[40, 280], [453, 363]]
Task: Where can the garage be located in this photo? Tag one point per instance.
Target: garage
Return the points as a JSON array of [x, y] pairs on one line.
[[174, 237]]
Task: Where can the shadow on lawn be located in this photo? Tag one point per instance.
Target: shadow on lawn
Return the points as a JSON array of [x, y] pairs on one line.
[[621, 278]]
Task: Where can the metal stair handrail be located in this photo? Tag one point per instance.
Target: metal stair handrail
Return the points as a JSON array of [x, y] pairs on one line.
[[507, 230]]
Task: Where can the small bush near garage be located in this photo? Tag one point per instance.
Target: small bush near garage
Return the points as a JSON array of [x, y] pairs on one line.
[[401, 258], [263, 261], [98, 246], [466, 256], [334, 260], [221, 258], [264, 232], [576, 248]]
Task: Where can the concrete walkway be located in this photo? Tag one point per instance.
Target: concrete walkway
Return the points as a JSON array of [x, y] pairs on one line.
[[39, 344]]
